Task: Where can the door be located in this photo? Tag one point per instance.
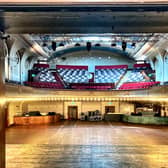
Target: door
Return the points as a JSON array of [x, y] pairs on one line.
[[72, 112], [109, 109]]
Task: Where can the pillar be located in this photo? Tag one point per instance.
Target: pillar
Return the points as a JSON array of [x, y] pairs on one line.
[[2, 104]]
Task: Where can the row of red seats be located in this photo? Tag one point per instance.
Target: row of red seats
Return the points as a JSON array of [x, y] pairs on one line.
[[71, 67], [141, 65], [112, 67], [138, 85], [96, 67], [45, 85], [97, 86], [41, 65]]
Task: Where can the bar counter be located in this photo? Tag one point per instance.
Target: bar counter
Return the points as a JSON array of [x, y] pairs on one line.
[[31, 120]]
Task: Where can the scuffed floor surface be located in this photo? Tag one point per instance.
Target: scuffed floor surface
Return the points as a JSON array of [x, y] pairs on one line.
[[87, 145]]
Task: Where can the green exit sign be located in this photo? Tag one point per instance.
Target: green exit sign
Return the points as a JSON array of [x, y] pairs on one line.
[[109, 103], [33, 75]]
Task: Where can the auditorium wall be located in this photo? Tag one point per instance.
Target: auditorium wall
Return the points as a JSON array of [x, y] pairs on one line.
[[126, 107], [91, 59], [18, 108], [14, 108], [45, 107]]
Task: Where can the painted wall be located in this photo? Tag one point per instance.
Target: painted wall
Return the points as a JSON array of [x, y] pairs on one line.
[[92, 59], [165, 68], [62, 107], [45, 107], [91, 106], [126, 107], [14, 109]]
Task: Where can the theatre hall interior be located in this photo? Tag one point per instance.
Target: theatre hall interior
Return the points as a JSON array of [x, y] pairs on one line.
[[83, 85]]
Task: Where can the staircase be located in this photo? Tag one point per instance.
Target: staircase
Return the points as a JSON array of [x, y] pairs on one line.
[[124, 79]]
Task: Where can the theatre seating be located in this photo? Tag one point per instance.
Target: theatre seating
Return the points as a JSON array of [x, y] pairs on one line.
[[109, 74], [142, 66], [51, 85], [40, 67], [95, 86], [46, 76], [136, 76], [138, 85], [73, 74]]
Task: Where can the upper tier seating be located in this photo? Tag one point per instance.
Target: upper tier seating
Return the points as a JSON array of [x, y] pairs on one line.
[[40, 67], [109, 74], [73, 74], [136, 76], [142, 66], [95, 86], [46, 76], [138, 85], [51, 85]]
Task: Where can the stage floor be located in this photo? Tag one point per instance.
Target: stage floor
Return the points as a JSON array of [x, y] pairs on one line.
[[81, 144]]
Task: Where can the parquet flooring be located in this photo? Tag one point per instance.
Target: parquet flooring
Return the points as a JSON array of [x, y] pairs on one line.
[[87, 145]]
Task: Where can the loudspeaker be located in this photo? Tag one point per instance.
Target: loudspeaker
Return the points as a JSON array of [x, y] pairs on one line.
[[88, 46], [124, 45], [54, 45]]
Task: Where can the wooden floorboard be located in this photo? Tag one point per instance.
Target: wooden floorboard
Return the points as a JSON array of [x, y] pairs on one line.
[[87, 145]]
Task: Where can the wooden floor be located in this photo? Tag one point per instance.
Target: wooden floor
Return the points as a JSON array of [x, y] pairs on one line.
[[87, 145]]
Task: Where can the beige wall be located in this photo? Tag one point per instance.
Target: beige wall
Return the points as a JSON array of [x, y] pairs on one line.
[[45, 107], [91, 106], [14, 109], [126, 107], [62, 107]]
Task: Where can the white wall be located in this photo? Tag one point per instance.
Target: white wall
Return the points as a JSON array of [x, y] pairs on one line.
[[92, 59], [159, 70], [166, 68]]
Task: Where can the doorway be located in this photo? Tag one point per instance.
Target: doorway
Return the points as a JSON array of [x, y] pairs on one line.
[[72, 112], [109, 109]]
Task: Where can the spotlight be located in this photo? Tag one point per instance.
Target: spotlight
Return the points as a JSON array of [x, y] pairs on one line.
[[97, 45], [124, 45], [54, 45], [88, 46], [61, 44], [77, 45]]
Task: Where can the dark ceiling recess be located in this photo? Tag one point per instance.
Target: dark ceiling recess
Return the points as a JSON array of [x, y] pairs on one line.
[[44, 45], [54, 45], [97, 45], [88, 46], [124, 45], [133, 45], [113, 44], [61, 44], [77, 45], [63, 58]]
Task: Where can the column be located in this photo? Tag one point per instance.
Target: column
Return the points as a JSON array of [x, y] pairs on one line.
[[2, 104]]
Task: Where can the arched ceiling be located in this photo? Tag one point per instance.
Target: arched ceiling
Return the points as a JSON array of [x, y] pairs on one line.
[[66, 43]]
